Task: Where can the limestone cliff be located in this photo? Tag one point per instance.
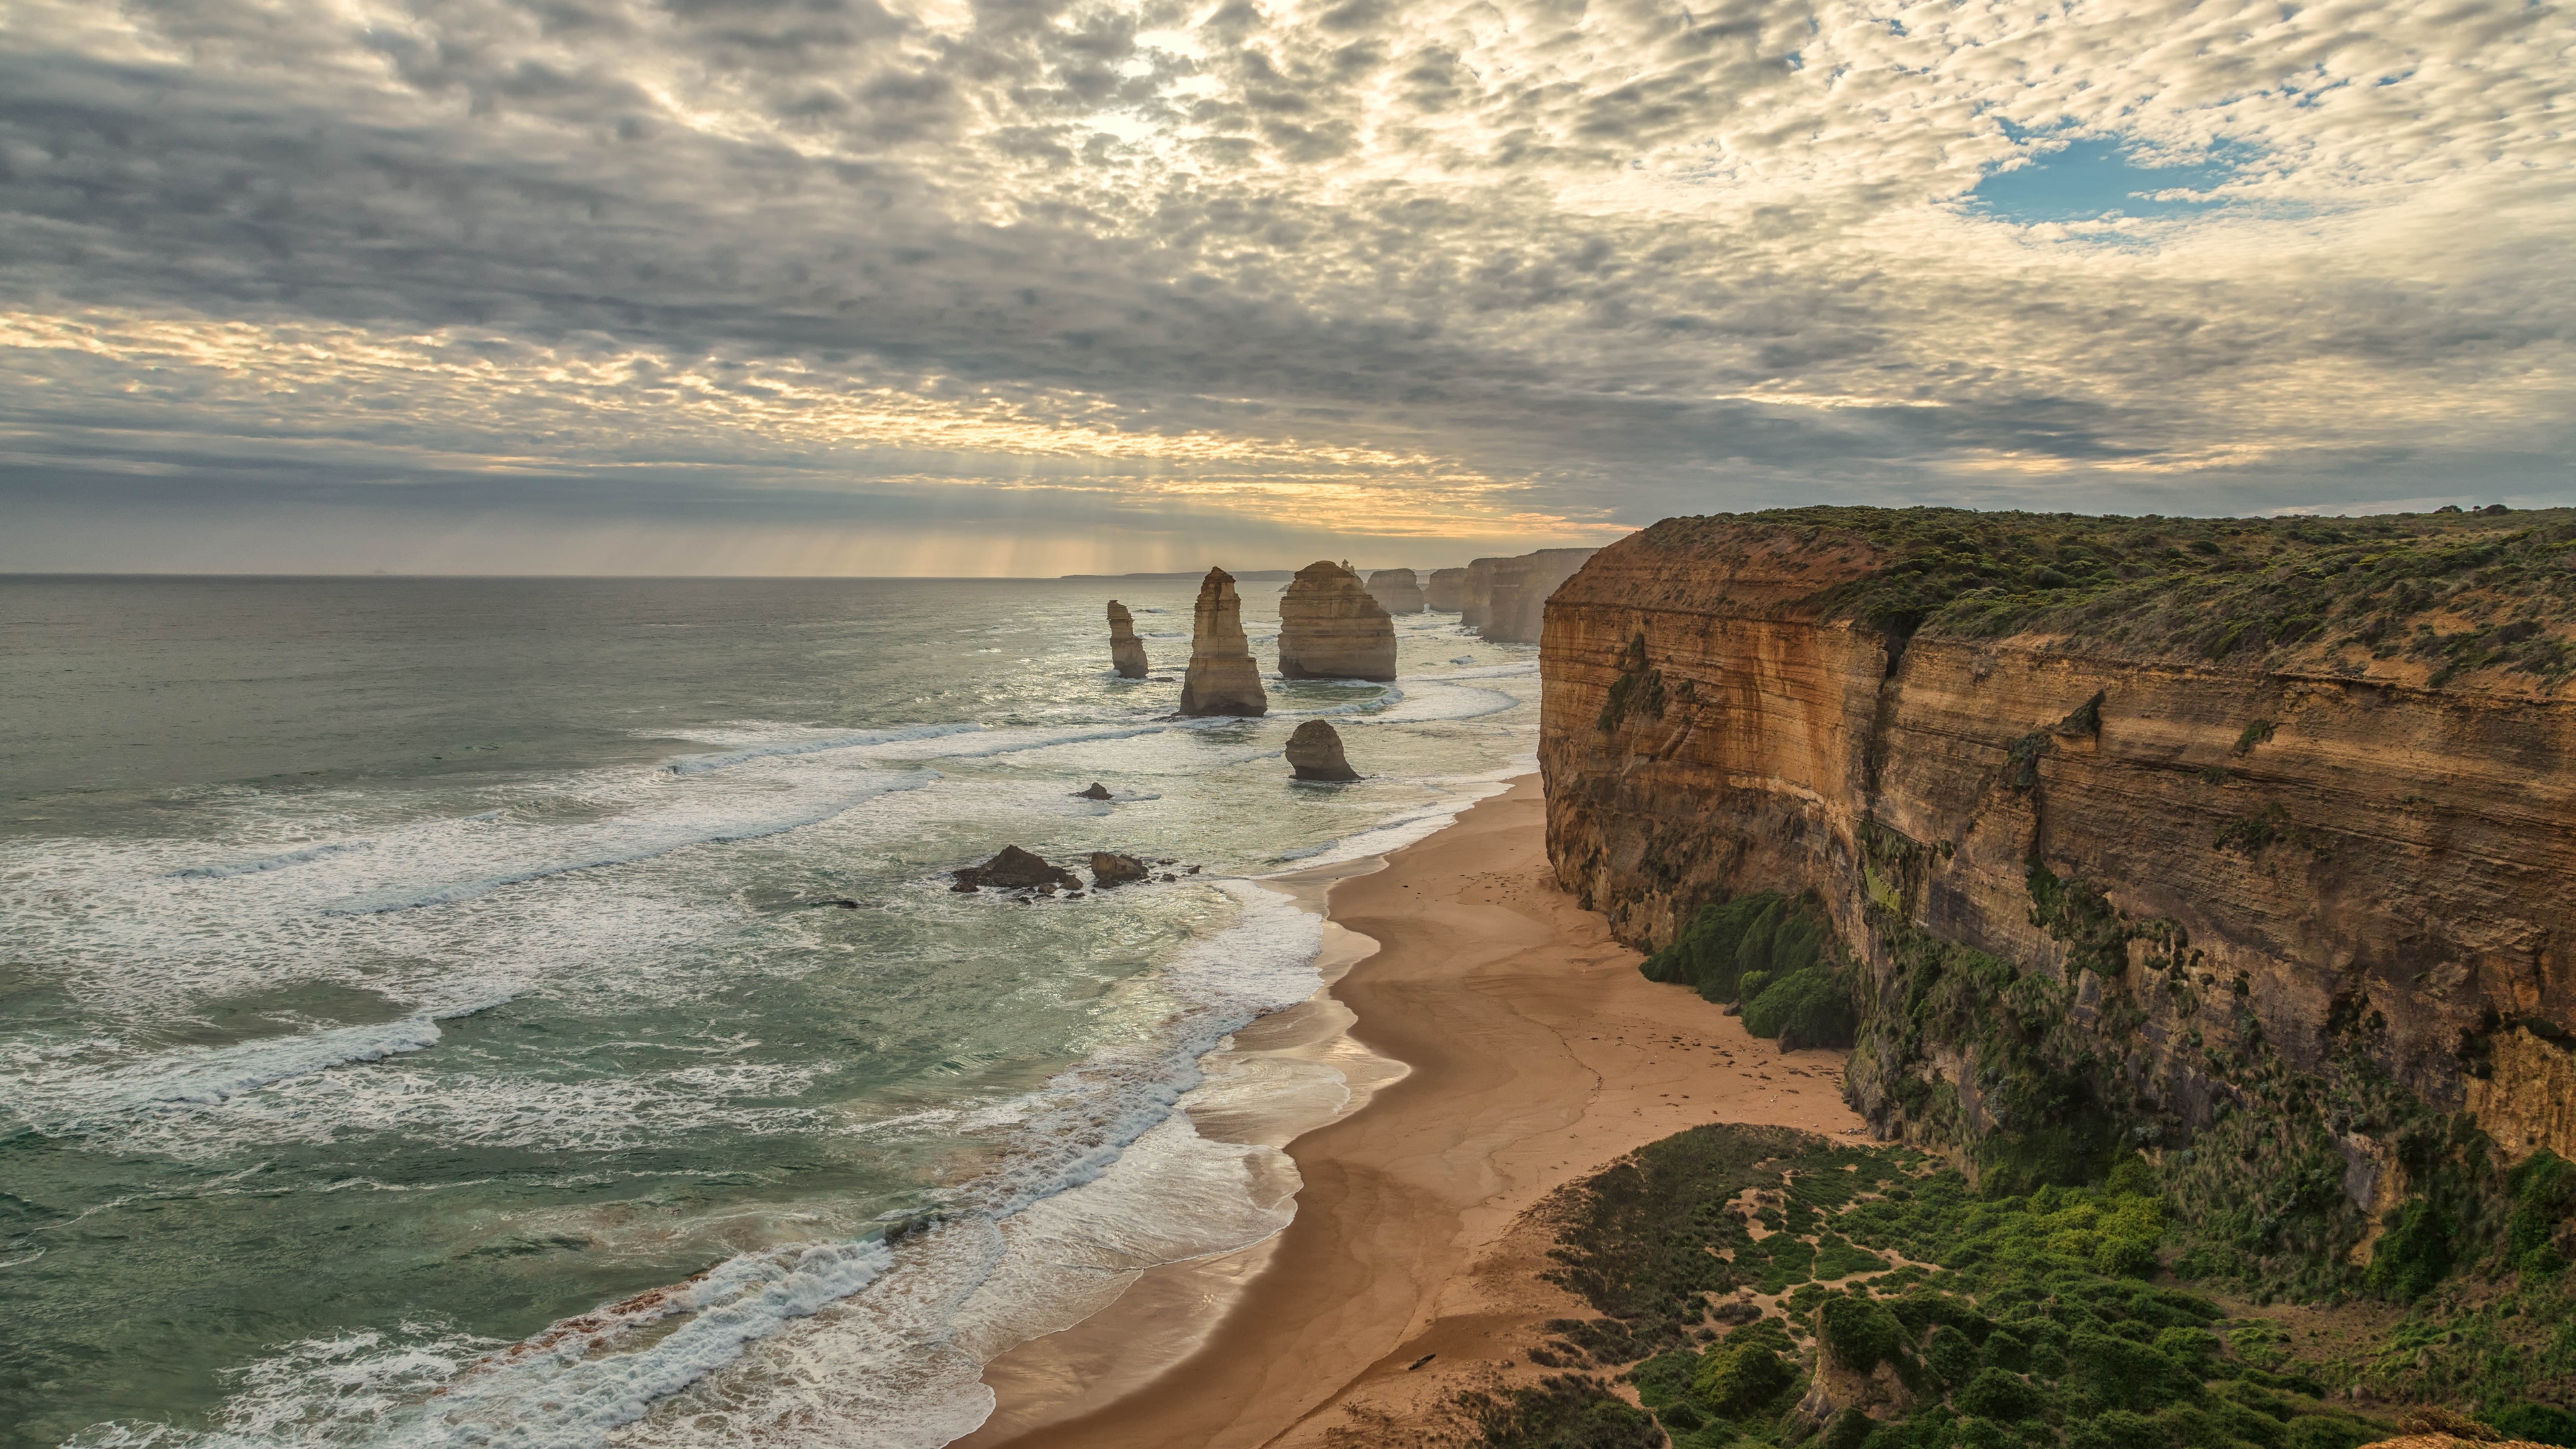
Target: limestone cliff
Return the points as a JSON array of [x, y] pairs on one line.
[[2251, 843], [1445, 590], [1126, 651], [1222, 678], [1396, 590], [1505, 599], [1329, 627]]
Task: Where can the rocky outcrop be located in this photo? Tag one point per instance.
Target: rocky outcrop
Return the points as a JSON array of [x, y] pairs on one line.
[[1476, 592], [1445, 590], [1096, 791], [2293, 902], [1222, 678], [1396, 590], [1016, 869], [1516, 599], [1329, 627], [1110, 870], [1126, 651], [1315, 753]]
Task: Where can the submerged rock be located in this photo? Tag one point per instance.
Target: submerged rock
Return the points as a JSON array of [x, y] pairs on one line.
[[1329, 627], [1016, 869], [1126, 651], [1446, 590], [1396, 591], [1222, 678], [1108, 869], [1097, 791], [1315, 753]]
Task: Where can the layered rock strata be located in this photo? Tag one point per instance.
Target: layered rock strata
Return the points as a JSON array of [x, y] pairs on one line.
[[1329, 627], [1516, 598], [1445, 590], [1315, 753], [1476, 591], [1222, 678], [1396, 590], [1126, 651], [2110, 875]]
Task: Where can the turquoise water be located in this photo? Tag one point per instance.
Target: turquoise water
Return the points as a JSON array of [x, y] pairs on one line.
[[430, 1014]]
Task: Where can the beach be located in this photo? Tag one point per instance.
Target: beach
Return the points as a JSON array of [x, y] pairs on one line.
[[1508, 1047]]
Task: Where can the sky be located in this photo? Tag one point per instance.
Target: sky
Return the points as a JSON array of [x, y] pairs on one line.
[[1022, 287]]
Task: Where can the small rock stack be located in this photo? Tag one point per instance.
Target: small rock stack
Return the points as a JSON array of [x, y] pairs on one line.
[[1329, 627], [1126, 651], [1222, 677], [1315, 753], [1396, 591]]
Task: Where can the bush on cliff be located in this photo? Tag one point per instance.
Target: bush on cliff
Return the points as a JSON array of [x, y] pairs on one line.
[[1775, 955]]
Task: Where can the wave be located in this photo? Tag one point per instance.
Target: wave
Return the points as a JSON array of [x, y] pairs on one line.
[[278, 862], [408, 898], [701, 764], [72, 1104]]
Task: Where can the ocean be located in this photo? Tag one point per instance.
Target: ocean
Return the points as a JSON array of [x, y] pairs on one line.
[[534, 1012]]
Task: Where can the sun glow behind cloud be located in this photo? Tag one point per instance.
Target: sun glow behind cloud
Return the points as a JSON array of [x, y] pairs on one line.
[[1490, 273]]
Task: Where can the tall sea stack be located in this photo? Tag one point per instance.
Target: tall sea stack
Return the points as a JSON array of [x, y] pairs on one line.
[[1516, 603], [1126, 651], [1446, 590], [1476, 590], [1222, 678], [1329, 627], [1396, 591]]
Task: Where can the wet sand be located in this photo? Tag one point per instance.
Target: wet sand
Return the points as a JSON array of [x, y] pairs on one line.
[[1532, 1054]]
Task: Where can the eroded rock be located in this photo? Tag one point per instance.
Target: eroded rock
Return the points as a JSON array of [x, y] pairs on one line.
[[1126, 651], [1222, 678], [1445, 590], [1396, 590], [1016, 869], [1315, 753], [1329, 627], [1097, 791], [1109, 869]]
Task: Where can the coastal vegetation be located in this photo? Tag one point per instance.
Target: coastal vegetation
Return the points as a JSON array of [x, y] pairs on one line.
[[1774, 956], [1764, 1287], [2457, 592]]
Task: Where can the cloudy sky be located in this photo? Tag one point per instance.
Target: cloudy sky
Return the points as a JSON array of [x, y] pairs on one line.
[[1017, 286]]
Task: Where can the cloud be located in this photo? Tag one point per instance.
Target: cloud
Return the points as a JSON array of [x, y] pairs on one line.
[[1518, 269]]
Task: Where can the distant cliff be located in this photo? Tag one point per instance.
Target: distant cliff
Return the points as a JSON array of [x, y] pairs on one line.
[[1505, 599], [2248, 843]]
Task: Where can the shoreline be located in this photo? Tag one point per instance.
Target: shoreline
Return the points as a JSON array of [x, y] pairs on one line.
[[1522, 1052]]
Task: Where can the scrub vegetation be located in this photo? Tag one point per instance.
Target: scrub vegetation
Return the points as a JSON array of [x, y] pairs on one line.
[[2454, 592], [1774, 957], [1759, 1286]]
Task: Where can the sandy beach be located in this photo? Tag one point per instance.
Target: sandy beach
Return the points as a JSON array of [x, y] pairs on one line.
[[1510, 1047]]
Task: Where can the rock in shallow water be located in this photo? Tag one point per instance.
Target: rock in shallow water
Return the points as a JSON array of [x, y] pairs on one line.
[[1222, 678], [1016, 869], [1126, 651], [1315, 753], [1097, 791], [1329, 628], [1109, 869]]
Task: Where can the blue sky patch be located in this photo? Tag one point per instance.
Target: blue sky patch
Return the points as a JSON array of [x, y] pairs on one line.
[[2087, 179]]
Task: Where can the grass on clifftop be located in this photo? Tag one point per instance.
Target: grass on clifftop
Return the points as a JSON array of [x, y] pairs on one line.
[[2454, 593], [1763, 1287]]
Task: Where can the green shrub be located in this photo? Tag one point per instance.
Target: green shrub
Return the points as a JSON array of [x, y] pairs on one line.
[[1750, 986], [2114, 1373], [1567, 1411], [1742, 1378], [1849, 1430], [2539, 1423], [1861, 1331], [2544, 1198], [1806, 1008], [2125, 1258], [2316, 1431], [2414, 1254], [2193, 1348], [2117, 1429], [1996, 1394]]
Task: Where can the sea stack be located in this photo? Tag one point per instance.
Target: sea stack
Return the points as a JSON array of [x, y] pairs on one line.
[[1396, 590], [1222, 678], [1446, 590], [1315, 753], [1329, 627], [1126, 651], [1515, 604]]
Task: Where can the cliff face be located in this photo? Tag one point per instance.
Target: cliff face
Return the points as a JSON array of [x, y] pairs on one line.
[[1329, 627], [2319, 896], [1222, 678], [1505, 599], [1126, 651], [1396, 590], [1445, 590]]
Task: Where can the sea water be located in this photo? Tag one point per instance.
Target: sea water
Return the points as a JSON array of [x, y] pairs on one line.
[[482, 1012]]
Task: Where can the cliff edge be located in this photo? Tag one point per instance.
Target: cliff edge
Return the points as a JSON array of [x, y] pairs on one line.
[[2247, 843]]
